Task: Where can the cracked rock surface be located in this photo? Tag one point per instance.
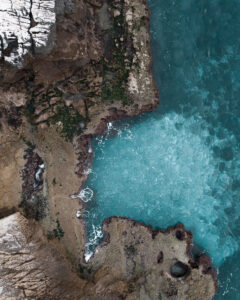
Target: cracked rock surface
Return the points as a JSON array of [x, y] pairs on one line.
[[30, 266], [25, 26]]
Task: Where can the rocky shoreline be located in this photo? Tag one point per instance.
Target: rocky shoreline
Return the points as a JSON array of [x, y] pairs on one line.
[[126, 241], [33, 267], [94, 69]]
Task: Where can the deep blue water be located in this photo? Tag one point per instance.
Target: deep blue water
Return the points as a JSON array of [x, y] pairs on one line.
[[181, 163]]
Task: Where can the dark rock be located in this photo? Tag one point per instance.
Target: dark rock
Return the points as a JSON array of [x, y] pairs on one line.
[[160, 257], [130, 250], [227, 153], [179, 269], [180, 235], [33, 202]]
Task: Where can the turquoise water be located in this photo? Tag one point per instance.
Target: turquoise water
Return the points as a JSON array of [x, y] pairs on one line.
[[181, 163]]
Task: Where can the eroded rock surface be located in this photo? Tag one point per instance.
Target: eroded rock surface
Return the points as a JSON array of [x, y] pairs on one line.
[[151, 265], [31, 268], [11, 164], [133, 263]]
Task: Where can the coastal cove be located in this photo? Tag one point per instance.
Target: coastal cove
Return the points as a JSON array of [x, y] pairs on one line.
[[70, 71], [180, 164], [106, 193]]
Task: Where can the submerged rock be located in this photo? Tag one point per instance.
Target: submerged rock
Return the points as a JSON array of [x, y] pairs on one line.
[[179, 269]]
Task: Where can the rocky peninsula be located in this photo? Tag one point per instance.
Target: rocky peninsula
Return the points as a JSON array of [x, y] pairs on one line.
[[67, 69]]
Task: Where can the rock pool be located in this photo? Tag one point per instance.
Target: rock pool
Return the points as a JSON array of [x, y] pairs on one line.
[[181, 163]]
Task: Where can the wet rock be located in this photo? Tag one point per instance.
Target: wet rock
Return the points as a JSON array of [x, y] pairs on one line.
[[179, 269], [180, 235]]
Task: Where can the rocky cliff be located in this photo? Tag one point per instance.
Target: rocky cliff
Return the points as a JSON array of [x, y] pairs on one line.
[[26, 26], [67, 69]]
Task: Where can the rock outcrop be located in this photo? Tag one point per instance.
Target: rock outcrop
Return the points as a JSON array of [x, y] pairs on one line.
[[68, 67], [134, 263], [150, 265]]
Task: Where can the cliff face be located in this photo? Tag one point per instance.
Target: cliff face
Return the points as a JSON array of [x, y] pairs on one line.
[[67, 68], [26, 25]]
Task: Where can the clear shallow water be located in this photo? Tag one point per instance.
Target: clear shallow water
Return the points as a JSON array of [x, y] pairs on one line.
[[181, 163]]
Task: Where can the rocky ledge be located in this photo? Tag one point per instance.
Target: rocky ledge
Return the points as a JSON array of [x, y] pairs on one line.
[[67, 68]]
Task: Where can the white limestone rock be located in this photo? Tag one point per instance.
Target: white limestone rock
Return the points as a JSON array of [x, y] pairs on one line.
[[25, 25]]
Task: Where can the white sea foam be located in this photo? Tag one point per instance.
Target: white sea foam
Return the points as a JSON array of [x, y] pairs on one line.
[[109, 126], [94, 238], [85, 195], [87, 172], [168, 172], [78, 213], [38, 173], [88, 255], [82, 213]]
